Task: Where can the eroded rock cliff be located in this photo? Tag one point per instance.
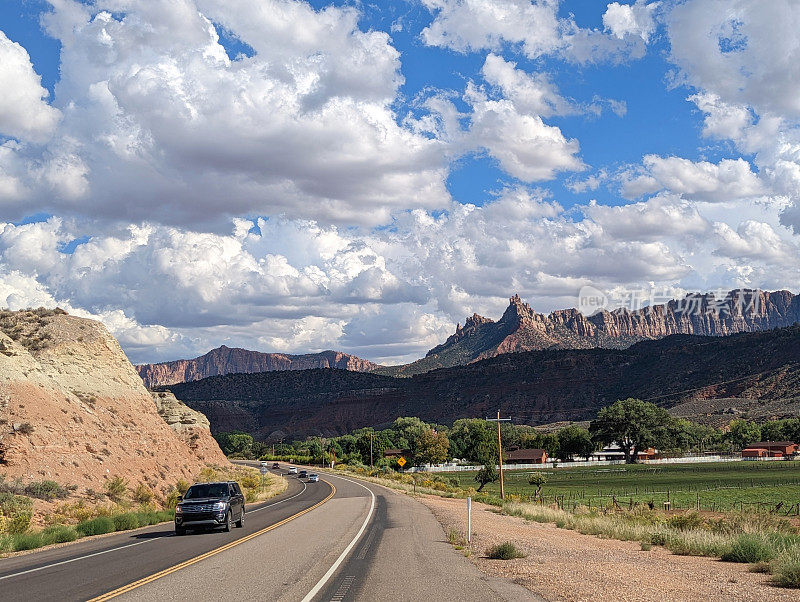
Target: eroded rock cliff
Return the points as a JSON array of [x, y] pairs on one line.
[[523, 329], [74, 410]]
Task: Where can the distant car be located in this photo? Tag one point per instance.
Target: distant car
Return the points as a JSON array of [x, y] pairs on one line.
[[303, 474], [293, 470], [275, 465], [210, 505], [263, 463], [313, 478]]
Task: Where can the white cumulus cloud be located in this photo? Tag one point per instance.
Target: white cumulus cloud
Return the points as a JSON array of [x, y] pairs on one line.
[[24, 111]]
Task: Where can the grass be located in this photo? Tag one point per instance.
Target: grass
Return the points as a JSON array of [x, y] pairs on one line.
[[786, 570], [719, 486]]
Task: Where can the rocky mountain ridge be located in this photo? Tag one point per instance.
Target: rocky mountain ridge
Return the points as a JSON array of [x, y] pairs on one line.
[[226, 360], [523, 329], [534, 387]]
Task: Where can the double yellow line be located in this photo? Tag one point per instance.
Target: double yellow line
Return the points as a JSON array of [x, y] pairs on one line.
[[145, 580]]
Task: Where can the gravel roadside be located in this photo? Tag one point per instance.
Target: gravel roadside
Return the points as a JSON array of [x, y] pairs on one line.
[[566, 565]]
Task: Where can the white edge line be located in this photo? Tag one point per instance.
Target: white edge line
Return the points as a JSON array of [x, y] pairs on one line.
[[130, 545], [47, 566], [321, 583]]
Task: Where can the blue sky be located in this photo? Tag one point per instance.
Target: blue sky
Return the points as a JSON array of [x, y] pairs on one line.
[[607, 141], [293, 176]]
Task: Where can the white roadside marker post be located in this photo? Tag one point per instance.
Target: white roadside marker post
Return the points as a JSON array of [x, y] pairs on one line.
[[469, 520]]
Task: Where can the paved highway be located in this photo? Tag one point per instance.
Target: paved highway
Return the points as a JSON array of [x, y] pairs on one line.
[[89, 568], [364, 543]]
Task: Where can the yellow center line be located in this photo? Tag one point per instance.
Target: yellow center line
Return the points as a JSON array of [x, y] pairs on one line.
[[145, 580]]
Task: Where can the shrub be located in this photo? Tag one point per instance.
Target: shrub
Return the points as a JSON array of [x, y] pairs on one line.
[[761, 567], [172, 498], [182, 485], [207, 474], [116, 488], [143, 494], [646, 547], [504, 551], [250, 479], [95, 526], [686, 521], [749, 548], [124, 522], [27, 541], [58, 534], [18, 522], [46, 490], [787, 572]]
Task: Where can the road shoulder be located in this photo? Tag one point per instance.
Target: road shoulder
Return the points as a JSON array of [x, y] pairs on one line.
[[566, 565]]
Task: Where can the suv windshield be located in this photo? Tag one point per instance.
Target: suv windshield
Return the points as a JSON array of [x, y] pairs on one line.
[[207, 490]]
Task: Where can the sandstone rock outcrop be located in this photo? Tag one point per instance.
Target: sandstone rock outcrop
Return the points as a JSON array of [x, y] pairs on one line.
[[191, 426], [523, 329], [74, 410], [227, 360]]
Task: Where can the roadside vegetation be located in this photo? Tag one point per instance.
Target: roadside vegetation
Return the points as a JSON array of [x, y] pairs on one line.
[[736, 511], [117, 507], [770, 543]]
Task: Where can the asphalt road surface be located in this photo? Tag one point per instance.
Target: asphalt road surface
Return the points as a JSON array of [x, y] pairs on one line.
[[364, 543]]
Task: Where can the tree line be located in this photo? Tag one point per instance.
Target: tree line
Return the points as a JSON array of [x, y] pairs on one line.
[[633, 424]]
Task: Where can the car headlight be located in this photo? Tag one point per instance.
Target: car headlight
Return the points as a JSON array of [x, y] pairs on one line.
[[178, 510], [220, 505]]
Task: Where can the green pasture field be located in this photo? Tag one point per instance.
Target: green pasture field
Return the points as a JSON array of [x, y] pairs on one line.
[[715, 486]]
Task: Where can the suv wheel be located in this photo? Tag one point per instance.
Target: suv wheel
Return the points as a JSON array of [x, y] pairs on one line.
[[180, 531], [228, 522], [240, 522]]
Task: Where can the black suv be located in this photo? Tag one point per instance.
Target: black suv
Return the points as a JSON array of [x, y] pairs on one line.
[[210, 505]]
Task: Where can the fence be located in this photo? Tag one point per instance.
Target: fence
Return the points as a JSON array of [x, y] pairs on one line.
[[576, 464], [605, 502]]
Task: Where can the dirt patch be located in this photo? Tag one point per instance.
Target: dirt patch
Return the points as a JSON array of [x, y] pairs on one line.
[[565, 565]]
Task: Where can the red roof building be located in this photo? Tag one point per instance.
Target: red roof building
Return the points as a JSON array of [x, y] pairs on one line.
[[770, 449]]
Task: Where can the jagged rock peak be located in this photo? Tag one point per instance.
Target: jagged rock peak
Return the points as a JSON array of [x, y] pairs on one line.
[[517, 310], [476, 320]]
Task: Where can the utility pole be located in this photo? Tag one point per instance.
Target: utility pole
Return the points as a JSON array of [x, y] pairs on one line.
[[498, 420], [371, 435]]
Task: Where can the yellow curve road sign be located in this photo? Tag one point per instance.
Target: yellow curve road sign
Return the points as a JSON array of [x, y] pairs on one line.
[[401, 461]]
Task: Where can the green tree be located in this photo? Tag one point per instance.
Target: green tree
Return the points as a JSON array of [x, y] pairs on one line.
[[538, 479], [574, 441], [773, 431], [432, 447], [487, 474], [239, 444], [549, 442], [409, 429], [473, 439], [632, 424], [743, 432]]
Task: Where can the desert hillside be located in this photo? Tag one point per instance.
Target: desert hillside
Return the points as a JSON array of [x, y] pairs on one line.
[[74, 410]]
